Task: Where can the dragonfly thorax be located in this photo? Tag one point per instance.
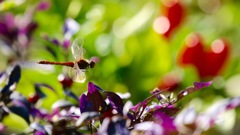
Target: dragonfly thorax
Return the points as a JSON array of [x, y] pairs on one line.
[[83, 64]]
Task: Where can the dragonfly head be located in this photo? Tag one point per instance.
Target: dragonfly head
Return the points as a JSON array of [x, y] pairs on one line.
[[92, 64]]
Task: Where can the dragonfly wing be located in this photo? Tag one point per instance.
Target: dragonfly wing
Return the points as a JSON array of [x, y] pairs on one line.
[[77, 74], [77, 49], [80, 77]]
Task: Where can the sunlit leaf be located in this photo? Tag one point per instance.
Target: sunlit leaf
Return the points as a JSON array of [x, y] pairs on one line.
[[197, 86]]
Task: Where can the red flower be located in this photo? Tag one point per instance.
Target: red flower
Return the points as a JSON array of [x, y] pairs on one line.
[[173, 15], [208, 62]]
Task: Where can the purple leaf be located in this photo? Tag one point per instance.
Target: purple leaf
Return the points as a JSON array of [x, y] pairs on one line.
[[150, 128], [38, 113], [85, 105], [189, 90], [61, 104], [43, 5], [51, 51], [70, 28], [66, 43], [22, 103], [21, 111], [98, 88], [70, 94], [169, 110], [86, 116], [28, 29], [186, 117], [115, 126], [200, 85], [51, 40], [2, 127], [7, 24], [38, 129], [36, 126], [115, 101], [45, 85], [91, 88], [55, 41], [13, 78], [166, 121], [96, 98], [15, 75], [2, 76], [39, 133], [135, 110], [233, 103], [7, 29], [38, 90]]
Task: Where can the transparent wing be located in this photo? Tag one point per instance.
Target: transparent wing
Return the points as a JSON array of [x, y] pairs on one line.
[[77, 48], [77, 74]]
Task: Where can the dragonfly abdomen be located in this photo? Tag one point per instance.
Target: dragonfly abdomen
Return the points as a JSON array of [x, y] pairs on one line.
[[69, 64]]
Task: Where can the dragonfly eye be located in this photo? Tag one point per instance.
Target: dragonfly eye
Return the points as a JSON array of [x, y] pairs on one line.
[[92, 64]]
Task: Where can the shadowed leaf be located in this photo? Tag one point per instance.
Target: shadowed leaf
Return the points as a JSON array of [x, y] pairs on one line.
[[84, 104], [21, 111], [96, 98], [15, 75], [38, 90], [115, 101], [70, 94]]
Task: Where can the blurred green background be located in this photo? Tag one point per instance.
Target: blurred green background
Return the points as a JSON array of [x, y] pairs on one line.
[[133, 57]]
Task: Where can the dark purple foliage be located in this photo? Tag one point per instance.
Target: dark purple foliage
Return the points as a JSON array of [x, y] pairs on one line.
[[86, 116], [113, 126], [85, 105], [102, 112], [38, 129], [143, 111], [115, 101], [52, 51], [95, 97], [197, 86], [70, 28], [66, 43], [52, 40], [7, 28], [39, 133], [10, 31], [137, 111], [165, 120], [38, 89], [43, 5], [6, 91], [20, 111], [37, 113], [13, 78], [69, 93]]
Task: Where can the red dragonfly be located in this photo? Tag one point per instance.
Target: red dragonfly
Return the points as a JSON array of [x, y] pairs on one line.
[[76, 72]]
